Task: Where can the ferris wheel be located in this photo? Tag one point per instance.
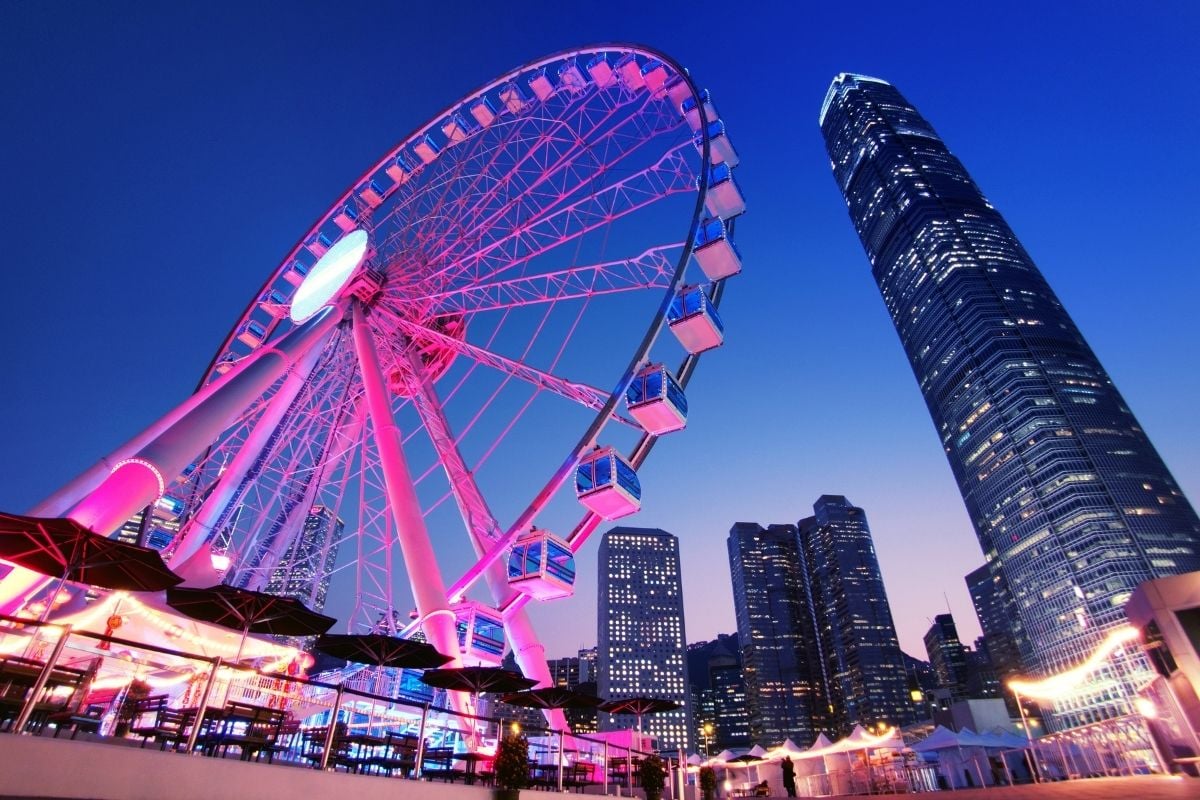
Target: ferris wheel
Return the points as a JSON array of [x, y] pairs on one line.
[[477, 343]]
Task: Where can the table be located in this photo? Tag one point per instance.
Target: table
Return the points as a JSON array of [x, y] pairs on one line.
[[471, 759]]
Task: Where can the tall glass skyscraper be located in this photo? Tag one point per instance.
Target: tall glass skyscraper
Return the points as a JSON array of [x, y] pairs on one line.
[[1072, 505], [641, 644], [781, 662], [864, 668]]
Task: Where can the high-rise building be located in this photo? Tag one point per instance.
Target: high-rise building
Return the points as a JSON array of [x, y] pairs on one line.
[[305, 569], [998, 620], [641, 639], [576, 673], [864, 667], [718, 693], [781, 663], [1071, 503], [947, 656]]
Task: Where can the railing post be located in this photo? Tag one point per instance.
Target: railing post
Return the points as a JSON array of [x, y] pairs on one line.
[[419, 761], [40, 683], [198, 722], [681, 773], [331, 734], [560, 758], [606, 767]]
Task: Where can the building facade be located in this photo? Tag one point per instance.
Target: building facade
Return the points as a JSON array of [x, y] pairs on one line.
[[863, 665], [781, 662], [1071, 503], [947, 656], [306, 567], [641, 640]]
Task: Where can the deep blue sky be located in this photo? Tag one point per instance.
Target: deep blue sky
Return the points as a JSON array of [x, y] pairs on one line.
[[156, 163]]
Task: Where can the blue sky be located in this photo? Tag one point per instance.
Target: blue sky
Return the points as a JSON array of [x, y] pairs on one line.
[[157, 162]]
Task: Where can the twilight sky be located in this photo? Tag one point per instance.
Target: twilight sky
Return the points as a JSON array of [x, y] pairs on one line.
[[156, 164]]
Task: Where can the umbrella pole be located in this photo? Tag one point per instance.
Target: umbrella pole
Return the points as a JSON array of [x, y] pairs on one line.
[[54, 596], [40, 683], [560, 761], [203, 708], [420, 757]]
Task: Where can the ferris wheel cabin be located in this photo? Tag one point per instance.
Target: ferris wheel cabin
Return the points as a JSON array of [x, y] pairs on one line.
[[656, 400], [542, 566], [480, 633], [694, 321], [720, 148], [724, 198], [716, 253], [691, 109], [607, 484]]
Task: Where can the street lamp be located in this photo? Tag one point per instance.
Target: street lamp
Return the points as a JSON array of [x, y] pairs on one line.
[[708, 732]]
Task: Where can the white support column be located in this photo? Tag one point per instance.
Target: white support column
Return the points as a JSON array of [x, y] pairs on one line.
[[429, 591], [140, 480], [200, 527], [138, 471], [482, 528]]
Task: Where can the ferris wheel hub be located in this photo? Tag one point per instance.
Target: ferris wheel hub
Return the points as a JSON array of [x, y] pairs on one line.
[[334, 271]]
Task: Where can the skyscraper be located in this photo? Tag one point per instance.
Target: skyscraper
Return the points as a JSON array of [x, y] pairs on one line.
[[641, 641], [305, 569], [997, 619], [947, 656], [781, 663], [864, 668], [1071, 503]]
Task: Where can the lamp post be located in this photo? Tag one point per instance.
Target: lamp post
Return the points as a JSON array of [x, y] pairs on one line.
[[1033, 768], [708, 732]]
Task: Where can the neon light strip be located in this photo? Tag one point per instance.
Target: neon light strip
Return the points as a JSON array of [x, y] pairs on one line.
[[1063, 683]]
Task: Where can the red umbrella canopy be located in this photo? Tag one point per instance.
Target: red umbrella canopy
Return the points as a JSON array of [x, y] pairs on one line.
[[477, 679], [381, 651], [639, 705], [552, 697], [248, 611], [62, 548]]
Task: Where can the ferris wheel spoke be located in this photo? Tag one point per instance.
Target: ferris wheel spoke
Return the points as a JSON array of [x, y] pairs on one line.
[[550, 148], [477, 516], [652, 269], [576, 392], [515, 247]]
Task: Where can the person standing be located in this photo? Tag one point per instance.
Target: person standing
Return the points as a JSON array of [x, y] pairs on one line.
[[789, 776]]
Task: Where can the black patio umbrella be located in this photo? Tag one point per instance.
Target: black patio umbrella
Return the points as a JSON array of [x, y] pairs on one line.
[[248, 611], [639, 706], [381, 651], [477, 680], [63, 548], [552, 697]]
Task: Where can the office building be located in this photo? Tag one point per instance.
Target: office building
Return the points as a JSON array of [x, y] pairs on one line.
[[306, 566], [781, 662], [641, 638], [863, 665], [947, 656], [1072, 505]]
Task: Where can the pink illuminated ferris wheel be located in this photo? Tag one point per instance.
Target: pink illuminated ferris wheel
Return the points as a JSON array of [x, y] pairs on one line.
[[489, 328]]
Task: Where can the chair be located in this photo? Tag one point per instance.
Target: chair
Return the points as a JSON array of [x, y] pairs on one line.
[[340, 755], [252, 729], [439, 763], [153, 719], [400, 753]]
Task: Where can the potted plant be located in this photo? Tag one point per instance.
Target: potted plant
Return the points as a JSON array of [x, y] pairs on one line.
[[653, 776], [708, 782], [511, 766]]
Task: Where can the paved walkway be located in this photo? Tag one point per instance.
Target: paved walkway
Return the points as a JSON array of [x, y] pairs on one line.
[[1140, 787]]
